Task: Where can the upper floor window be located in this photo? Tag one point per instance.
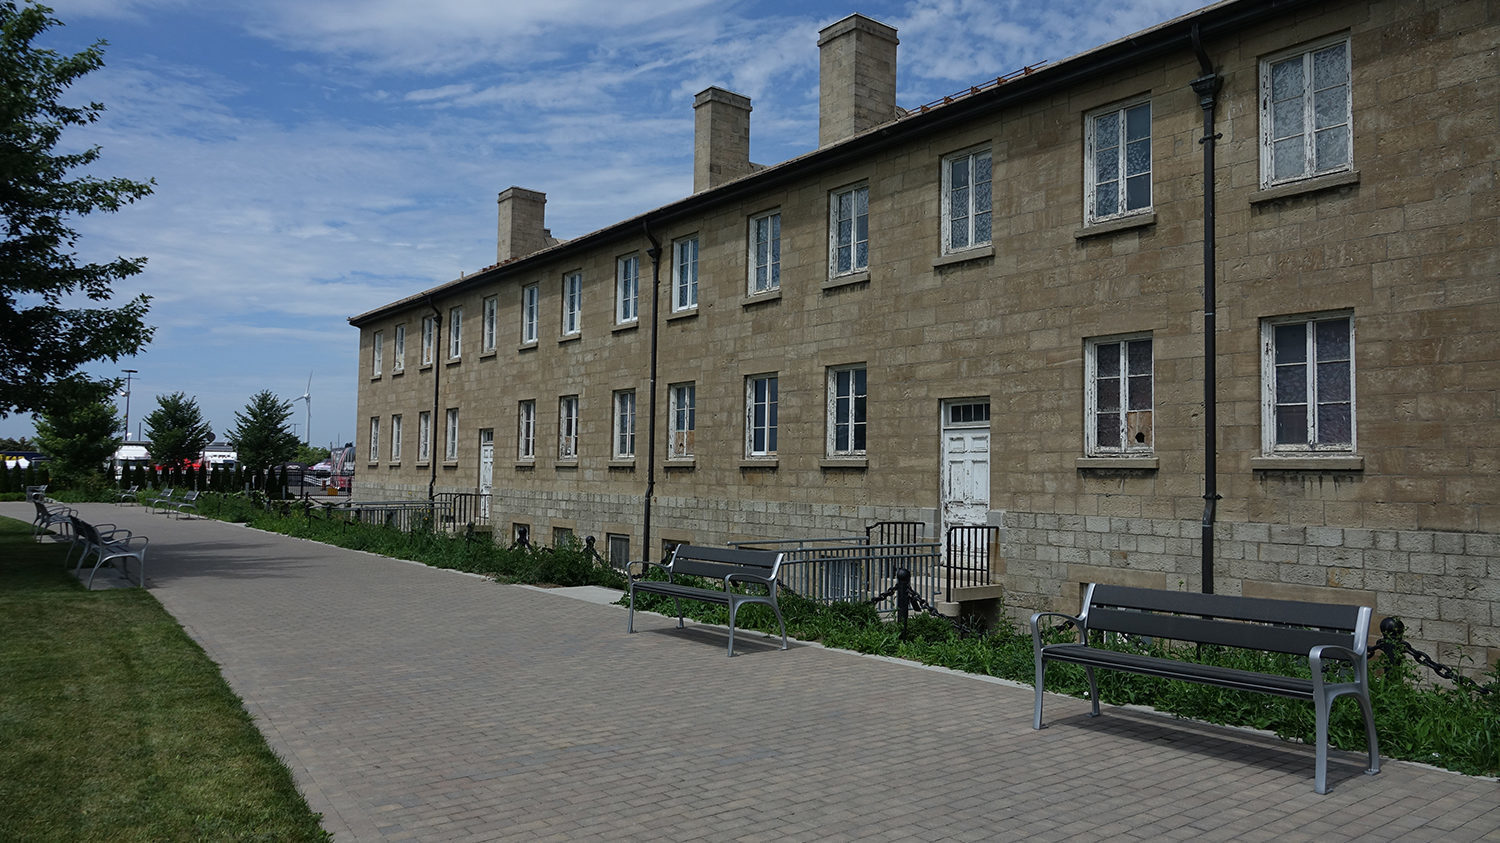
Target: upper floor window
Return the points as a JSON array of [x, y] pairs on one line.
[[424, 436], [530, 308], [455, 332], [966, 200], [526, 430], [685, 274], [398, 349], [429, 338], [1117, 168], [572, 303], [760, 415], [627, 289], [567, 427], [1305, 106], [450, 451], [624, 425], [1119, 383], [1308, 384], [491, 313], [374, 451], [849, 231], [377, 351], [682, 420], [765, 252], [396, 438], [846, 411]]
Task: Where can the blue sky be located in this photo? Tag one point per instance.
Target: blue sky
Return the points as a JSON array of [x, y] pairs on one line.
[[318, 158]]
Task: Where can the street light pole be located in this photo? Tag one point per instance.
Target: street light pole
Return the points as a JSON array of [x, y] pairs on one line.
[[129, 373]]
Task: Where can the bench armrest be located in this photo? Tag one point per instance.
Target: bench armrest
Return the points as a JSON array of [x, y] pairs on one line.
[[646, 565], [1036, 629], [768, 582], [1315, 663]]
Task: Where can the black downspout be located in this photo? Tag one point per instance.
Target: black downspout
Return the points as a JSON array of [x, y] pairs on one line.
[[437, 373], [655, 254], [1207, 88]]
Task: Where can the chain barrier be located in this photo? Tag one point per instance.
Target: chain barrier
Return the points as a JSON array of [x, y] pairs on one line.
[[1394, 645]]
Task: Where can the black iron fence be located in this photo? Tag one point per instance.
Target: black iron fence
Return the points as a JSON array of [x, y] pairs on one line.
[[967, 555], [463, 508], [406, 516], [839, 569]]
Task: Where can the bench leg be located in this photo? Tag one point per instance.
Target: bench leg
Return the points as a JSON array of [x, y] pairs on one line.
[[1320, 774], [1374, 744], [1093, 691], [734, 609], [630, 615], [1036, 716], [678, 601]]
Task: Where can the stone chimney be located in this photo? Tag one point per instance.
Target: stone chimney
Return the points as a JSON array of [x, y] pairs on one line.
[[856, 77], [721, 138], [522, 224]]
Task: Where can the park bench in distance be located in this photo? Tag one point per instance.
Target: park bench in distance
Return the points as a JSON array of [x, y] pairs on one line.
[[724, 565], [106, 548], [1316, 630]]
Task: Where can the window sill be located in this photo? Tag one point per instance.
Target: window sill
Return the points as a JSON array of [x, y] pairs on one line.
[[1342, 462], [759, 464], [453, 361], [1311, 185], [569, 338], [488, 355], [761, 298], [844, 463], [374, 378], [393, 464], [680, 464], [847, 280], [424, 367], [423, 463], [525, 465], [627, 326], [396, 373], [527, 346], [622, 464], [450, 465], [676, 315], [1120, 463], [566, 465], [964, 256], [1111, 226]]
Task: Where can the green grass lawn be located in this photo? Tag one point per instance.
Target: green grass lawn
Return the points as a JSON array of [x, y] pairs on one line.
[[115, 725]]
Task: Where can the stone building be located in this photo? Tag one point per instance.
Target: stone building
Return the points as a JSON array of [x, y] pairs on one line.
[[991, 310]]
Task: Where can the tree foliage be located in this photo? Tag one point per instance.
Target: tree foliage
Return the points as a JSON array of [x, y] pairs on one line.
[[311, 454], [20, 443], [176, 430], [78, 430], [45, 335], [260, 436]]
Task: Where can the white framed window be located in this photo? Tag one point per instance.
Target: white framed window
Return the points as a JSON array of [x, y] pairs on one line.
[[760, 415], [627, 289], [765, 252], [374, 451], [966, 200], [526, 430], [1117, 162], [429, 338], [1307, 375], [624, 426], [450, 446], [1119, 382], [846, 411], [682, 420], [567, 427], [398, 349], [1305, 105], [531, 296], [491, 313], [455, 332], [572, 304], [424, 436], [849, 230], [617, 550], [396, 438], [377, 351], [685, 274]]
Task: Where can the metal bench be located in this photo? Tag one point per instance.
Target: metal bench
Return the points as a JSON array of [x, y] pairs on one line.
[[186, 503], [105, 548], [47, 515], [757, 568], [1316, 630], [127, 495], [159, 501]]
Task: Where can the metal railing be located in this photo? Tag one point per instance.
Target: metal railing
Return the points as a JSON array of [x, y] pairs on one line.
[[405, 516], [840, 569], [463, 508], [967, 554]]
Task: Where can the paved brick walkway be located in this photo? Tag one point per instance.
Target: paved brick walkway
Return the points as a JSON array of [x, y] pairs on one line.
[[418, 704]]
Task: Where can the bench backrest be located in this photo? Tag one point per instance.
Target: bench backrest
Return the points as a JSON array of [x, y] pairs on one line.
[[87, 531], [1256, 623], [719, 562]]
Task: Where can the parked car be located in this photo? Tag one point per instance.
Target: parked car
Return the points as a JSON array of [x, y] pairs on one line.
[[322, 469]]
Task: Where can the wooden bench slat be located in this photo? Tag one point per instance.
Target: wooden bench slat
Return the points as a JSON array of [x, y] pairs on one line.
[[1266, 610], [1250, 636], [716, 564]]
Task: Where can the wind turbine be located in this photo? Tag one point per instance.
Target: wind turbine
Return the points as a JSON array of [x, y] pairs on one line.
[[307, 396]]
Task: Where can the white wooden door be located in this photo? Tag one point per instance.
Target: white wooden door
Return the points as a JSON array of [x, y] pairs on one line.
[[966, 476], [486, 470]]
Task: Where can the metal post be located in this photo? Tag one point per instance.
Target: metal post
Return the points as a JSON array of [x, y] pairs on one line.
[[129, 374], [1207, 87], [903, 597]]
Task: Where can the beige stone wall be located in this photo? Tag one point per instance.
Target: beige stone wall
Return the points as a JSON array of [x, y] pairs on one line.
[[1409, 246]]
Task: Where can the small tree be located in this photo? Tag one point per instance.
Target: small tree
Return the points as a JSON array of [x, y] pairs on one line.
[[176, 430], [260, 436], [79, 431]]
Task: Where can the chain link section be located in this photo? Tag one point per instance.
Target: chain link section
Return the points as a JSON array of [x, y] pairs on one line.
[[1394, 645]]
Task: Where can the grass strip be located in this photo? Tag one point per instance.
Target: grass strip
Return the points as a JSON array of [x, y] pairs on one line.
[[115, 725]]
